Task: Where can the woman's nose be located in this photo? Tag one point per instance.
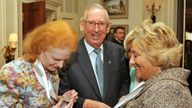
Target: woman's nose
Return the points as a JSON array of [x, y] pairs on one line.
[[60, 64], [132, 60]]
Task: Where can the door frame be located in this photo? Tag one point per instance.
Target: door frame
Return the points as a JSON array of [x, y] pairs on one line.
[[20, 24]]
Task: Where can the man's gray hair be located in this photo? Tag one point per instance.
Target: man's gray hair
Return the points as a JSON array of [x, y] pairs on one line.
[[94, 6]]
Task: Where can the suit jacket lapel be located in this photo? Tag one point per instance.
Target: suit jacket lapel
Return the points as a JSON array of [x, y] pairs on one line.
[[107, 67], [86, 67]]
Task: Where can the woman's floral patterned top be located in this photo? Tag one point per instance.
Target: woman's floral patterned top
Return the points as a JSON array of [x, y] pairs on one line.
[[19, 86]]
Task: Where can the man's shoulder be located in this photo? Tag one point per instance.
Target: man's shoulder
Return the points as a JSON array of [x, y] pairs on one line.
[[113, 45]]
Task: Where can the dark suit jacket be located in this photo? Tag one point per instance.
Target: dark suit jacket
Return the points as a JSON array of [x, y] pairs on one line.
[[80, 75]]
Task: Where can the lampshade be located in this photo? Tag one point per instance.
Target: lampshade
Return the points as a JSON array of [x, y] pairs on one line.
[[188, 36], [13, 38]]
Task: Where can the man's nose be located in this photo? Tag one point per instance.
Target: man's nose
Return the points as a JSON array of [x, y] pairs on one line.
[[96, 27]]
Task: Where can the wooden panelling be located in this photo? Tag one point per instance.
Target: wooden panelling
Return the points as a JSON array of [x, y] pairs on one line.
[[33, 15], [188, 19]]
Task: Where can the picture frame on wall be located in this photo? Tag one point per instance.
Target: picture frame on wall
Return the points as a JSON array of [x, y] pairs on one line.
[[111, 31], [116, 8]]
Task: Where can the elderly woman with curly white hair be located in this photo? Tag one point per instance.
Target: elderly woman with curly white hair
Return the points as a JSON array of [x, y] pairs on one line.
[[156, 55]]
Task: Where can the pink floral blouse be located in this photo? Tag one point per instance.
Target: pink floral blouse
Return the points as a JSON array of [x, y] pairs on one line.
[[19, 86]]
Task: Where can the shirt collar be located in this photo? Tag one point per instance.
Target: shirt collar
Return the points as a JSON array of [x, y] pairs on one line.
[[40, 68], [90, 48], [118, 40]]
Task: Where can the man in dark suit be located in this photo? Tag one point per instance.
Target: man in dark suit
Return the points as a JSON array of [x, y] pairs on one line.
[[96, 91]]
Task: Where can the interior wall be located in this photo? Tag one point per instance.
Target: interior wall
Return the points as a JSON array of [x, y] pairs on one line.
[[2, 29], [137, 12], [12, 18], [166, 14], [9, 23], [171, 13], [10, 15], [134, 17], [81, 7]]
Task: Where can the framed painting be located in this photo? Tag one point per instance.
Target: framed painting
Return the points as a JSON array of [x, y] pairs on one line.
[[116, 8], [111, 32]]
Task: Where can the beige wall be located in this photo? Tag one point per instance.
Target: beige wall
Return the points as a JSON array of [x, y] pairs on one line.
[[137, 12], [9, 17], [8, 22], [134, 17], [166, 14], [2, 29]]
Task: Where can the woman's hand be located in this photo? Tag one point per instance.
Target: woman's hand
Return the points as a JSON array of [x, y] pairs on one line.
[[59, 104], [69, 96], [67, 100]]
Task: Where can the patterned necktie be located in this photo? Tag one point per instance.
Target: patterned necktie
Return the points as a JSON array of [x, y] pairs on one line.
[[99, 70]]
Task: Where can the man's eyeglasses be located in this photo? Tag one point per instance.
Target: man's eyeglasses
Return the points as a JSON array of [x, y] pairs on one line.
[[100, 24]]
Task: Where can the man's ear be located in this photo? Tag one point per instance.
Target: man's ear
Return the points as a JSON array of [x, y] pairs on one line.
[[108, 26], [81, 25]]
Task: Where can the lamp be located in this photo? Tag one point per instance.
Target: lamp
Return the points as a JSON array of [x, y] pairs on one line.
[[153, 9], [9, 50]]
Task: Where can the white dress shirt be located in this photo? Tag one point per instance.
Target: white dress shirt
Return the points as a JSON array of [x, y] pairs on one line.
[[92, 56]]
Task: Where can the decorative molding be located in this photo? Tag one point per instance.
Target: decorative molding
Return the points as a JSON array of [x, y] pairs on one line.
[[55, 3], [53, 8], [71, 18]]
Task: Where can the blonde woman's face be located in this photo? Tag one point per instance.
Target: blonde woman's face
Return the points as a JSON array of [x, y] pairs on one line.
[[144, 68], [54, 59]]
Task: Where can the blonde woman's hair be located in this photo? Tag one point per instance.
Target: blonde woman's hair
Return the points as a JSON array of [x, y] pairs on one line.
[[56, 34], [157, 42]]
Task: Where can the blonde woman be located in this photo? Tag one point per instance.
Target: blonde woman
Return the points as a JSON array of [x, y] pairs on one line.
[[156, 55]]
